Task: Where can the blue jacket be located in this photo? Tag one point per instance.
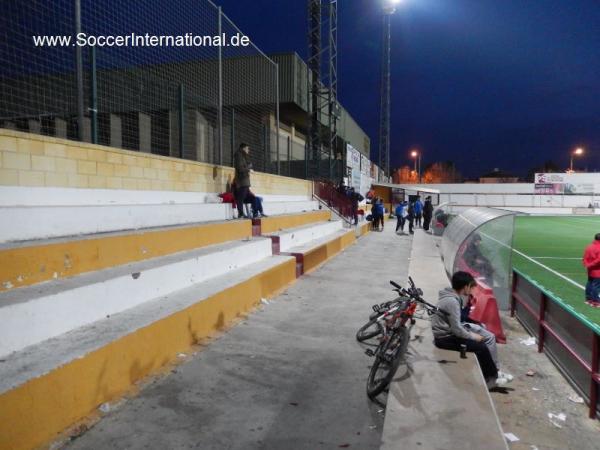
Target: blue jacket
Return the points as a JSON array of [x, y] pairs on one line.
[[418, 207], [399, 210], [378, 209]]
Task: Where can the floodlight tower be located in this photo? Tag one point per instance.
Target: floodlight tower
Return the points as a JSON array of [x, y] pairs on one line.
[[389, 7], [322, 91], [314, 80]]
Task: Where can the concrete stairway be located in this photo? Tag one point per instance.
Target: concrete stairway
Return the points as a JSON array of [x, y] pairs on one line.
[[88, 316]]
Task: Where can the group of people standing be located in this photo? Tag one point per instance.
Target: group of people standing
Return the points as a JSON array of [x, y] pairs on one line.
[[415, 213]]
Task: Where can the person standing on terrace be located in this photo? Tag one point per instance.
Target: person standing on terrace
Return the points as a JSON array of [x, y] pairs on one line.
[[243, 168], [591, 261]]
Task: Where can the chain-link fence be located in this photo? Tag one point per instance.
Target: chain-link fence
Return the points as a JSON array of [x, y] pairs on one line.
[[179, 86]]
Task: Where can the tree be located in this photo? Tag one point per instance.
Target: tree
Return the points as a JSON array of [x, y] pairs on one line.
[[442, 172]]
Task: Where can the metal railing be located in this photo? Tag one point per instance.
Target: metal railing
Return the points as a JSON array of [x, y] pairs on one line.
[[333, 198], [569, 339]]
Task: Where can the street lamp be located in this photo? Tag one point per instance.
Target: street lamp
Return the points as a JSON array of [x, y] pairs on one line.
[[417, 157], [577, 152]]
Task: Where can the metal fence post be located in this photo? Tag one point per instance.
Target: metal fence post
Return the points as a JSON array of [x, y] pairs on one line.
[[513, 299], [277, 113], [541, 329], [94, 97], [594, 380], [266, 147], [220, 106], [232, 134], [79, 69], [181, 104], [289, 155]]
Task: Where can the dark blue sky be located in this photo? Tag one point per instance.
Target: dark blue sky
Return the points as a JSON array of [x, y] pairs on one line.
[[485, 83]]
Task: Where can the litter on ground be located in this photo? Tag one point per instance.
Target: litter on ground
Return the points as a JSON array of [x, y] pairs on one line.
[[510, 437], [556, 419], [529, 341]]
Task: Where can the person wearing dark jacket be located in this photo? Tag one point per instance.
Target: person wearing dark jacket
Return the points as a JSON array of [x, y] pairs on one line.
[[450, 333], [243, 167], [355, 199], [411, 217], [427, 213], [475, 259]]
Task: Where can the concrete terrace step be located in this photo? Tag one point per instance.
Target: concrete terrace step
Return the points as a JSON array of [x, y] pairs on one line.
[[273, 224], [31, 262], [45, 213], [44, 222], [289, 207], [293, 237], [312, 254], [49, 309], [100, 361]]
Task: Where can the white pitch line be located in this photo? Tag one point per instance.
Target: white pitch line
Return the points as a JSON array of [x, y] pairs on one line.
[[558, 274], [553, 257]]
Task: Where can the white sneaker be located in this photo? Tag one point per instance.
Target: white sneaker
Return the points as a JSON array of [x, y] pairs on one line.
[[507, 376], [501, 381], [491, 383]]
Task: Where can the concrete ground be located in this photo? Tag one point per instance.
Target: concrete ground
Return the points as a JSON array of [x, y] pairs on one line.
[[523, 411], [290, 375]]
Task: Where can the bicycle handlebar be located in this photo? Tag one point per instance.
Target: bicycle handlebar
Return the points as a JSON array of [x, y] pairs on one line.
[[396, 285], [415, 294]]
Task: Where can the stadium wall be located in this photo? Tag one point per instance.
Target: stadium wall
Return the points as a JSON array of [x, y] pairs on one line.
[[30, 160], [518, 197]]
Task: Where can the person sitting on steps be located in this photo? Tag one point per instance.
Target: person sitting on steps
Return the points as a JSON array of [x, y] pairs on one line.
[[450, 333]]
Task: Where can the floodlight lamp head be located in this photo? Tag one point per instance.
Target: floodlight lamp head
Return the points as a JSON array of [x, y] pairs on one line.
[[389, 6], [578, 151]]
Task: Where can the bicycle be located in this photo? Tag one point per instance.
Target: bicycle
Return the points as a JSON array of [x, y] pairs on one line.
[[394, 326]]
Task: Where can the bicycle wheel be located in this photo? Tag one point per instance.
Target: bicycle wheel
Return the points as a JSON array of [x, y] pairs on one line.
[[370, 329], [386, 363]]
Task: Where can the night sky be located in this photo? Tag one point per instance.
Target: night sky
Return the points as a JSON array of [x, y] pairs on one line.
[[484, 83]]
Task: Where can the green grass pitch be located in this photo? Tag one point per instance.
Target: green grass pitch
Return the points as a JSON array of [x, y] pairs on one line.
[[549, 250]]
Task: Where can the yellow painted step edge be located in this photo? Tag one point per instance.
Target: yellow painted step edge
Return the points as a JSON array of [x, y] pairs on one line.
[[33, 414], [27, 265], [319, 255], [276, 223]]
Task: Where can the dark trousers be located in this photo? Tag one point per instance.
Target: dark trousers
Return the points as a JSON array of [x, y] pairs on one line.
[[592, 290], [489, 369], [418, 219], [426, 221], [257, 205], [240, 195], [411, 222], [400, 223]]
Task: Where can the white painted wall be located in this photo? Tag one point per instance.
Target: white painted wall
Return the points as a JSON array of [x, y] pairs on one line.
[[511, 196], [43, 196]]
